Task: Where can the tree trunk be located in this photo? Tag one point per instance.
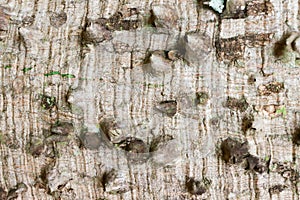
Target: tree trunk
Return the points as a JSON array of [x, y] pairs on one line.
[[149, 100]]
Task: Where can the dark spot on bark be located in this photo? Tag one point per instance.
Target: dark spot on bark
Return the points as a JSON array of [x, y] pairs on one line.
[[94, 32], [257, 40], [275, 87], [296, 136], [247, 122], [58, 19], [106, 177], [133, 145], [230, 48], [151, 19], [110, 128], [238, 14], [215, 121], [236, 104], [28, 20], [159, 142], [168, 107], [234, 151], [276, 189], [271, 87], [47, 102], [286, 171], [291, 174], [14, 192], [173, 55], [36, 146], [136, 150], [234, 11], [67, 98], [147, 58], [201, 98], [133, 11], [206, 181], [251, 79], [181, 46], [280, 46], [128, 25], [255, 8], [117, 23], [194, 187], [254, 163], [62, 128], [42, 180], [3, 194], [60, 187]]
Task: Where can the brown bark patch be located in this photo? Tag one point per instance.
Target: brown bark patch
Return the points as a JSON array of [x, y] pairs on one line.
[[3, 194], [296, 136], [201, 98], [194, 186], [230, 48], [168, 107], [236, 104], [247, 122], [254, 163], [271, 87], [47, 102], [159, 141], [276, 189], [255, 8], [118, 23], [234, 151], [258, 40], [62, 128], [58, 19]]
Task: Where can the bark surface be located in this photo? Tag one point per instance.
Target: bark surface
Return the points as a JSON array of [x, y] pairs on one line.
[[149, 100]]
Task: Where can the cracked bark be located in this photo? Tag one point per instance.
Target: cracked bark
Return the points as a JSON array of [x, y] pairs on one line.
[[176, 78]]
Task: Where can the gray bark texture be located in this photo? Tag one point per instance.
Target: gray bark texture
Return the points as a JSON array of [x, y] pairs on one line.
[[149, 100]]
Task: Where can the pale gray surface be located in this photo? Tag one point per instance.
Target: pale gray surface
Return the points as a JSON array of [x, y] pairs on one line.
[[112, 81]]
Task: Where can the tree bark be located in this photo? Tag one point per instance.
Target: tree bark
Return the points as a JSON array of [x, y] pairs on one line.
[[149, 100]]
